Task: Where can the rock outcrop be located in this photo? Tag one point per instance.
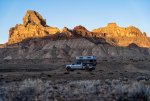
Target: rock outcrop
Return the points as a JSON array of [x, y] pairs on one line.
[[1, 45], [35, 18], [123, 36], [66, 32], [82, 31], [69, 48], [36, 40], [34, 26]]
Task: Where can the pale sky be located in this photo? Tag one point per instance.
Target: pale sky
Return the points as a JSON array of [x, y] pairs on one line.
[[70, 13]]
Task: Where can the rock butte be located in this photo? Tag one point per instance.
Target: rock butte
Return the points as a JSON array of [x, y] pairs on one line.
[[34, 39], [123, 36], [34, 26]]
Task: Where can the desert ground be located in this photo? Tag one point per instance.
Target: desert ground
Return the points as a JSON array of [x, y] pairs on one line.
[[48, 80]]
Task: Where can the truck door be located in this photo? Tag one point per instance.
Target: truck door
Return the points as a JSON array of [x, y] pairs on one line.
[[79, 65]]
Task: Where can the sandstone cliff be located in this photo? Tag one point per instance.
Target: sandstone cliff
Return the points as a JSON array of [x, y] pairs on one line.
[[34, 39], [123, 36], [33, 26]]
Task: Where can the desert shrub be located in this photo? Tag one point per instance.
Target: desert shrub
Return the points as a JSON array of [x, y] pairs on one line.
[[136, 92], [139, 92], [26, 90], [3, 94], [28, 94], [122, 92], [37, 89]]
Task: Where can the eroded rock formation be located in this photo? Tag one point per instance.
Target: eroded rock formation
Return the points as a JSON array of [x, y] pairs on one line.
[[123, 36], [36, 40], [82, 31], [34, 26]]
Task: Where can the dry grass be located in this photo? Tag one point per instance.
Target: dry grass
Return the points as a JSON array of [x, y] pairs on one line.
[[32, 90], [135, 92]]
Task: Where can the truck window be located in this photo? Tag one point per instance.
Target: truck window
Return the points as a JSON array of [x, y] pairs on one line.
[[78, 62]]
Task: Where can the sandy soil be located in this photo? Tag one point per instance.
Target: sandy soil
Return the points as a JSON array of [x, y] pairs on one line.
[[129, 70]]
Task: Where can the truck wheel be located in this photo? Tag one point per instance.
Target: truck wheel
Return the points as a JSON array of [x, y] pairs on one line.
[[68, 68], [87, 68], [91, 69]]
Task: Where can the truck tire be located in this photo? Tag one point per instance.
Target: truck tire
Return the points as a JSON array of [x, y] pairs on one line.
[[87, 68], [68, 68], [91, 69]]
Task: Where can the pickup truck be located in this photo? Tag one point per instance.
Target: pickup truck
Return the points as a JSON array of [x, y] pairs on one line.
[[83, 63], [81, 66]]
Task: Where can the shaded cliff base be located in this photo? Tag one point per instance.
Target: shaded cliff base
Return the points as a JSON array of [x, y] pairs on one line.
[[52, 48]]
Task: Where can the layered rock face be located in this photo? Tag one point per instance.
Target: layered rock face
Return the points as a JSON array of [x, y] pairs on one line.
[[36, 40], [34, 26], [70, 48], [123, 36]]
